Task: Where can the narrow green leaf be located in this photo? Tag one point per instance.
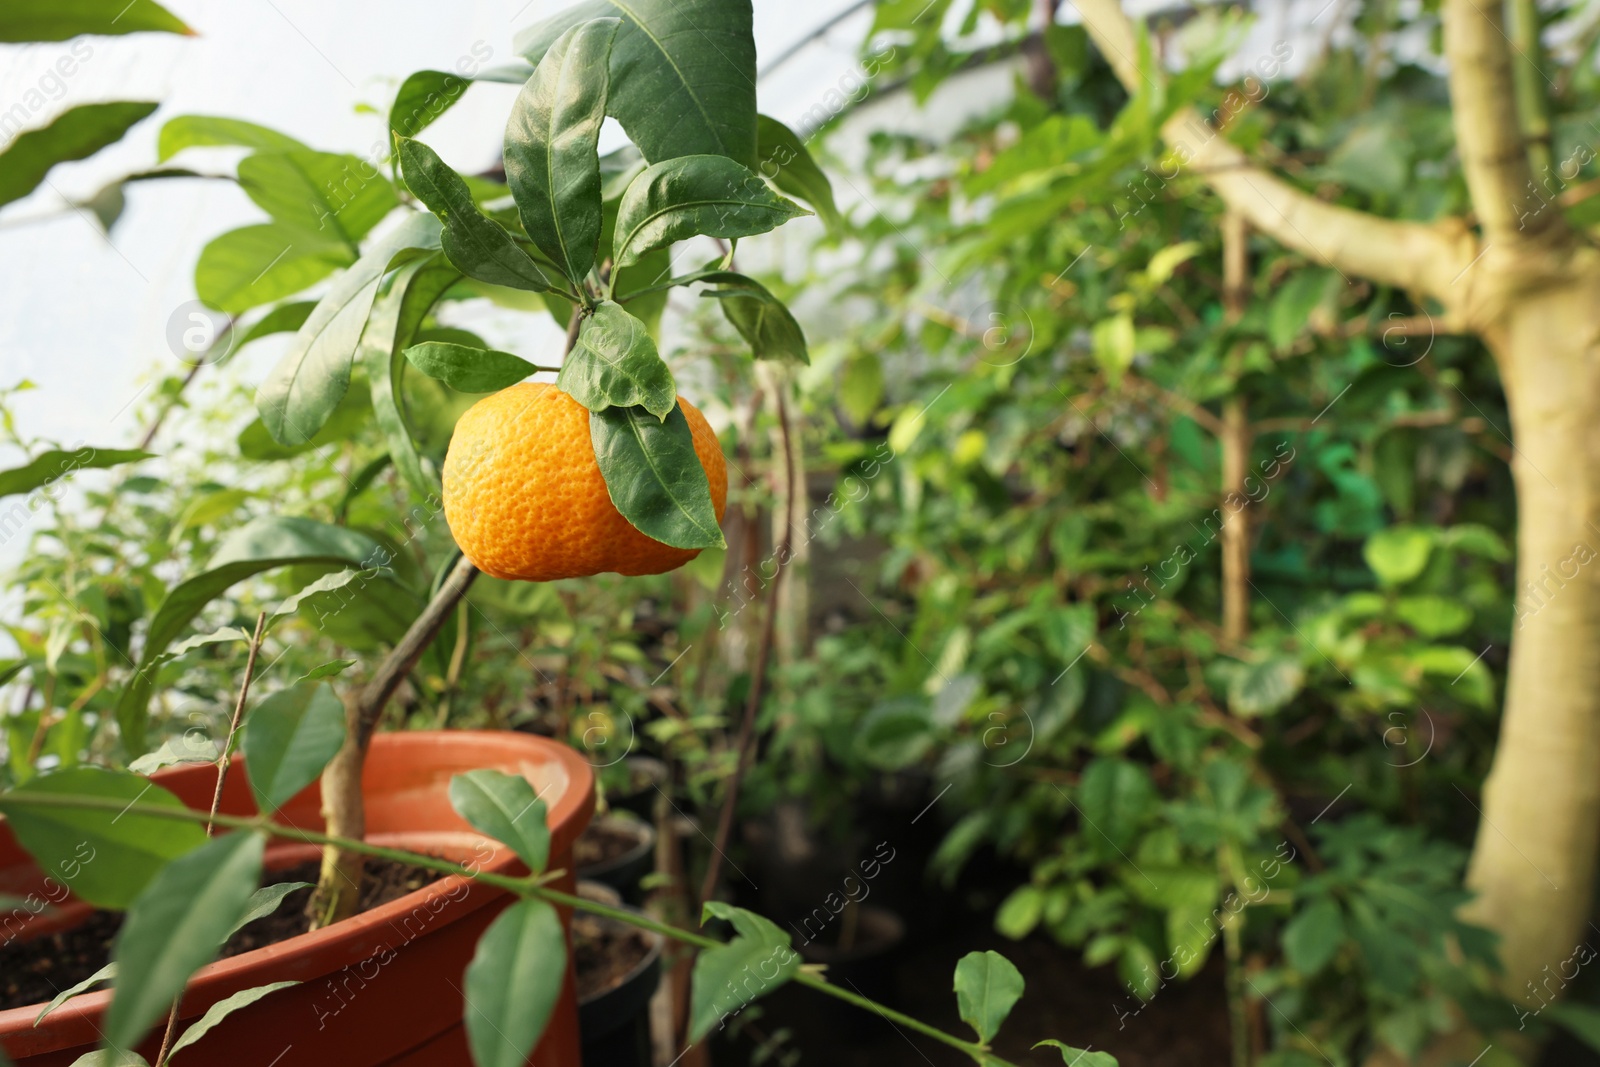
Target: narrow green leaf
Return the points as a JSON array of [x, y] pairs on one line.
[[691, 195], [423, 97], [552, 147], [76, 133], [475, 243], [285, 318], [399, 309], [513, 982], [683, 76], [469, 370], [338, 196], [761, 318], [327, 670], [288, 739], [786, 162], [104, 974], [254, 265], [654, 477], [175, 927], [185, 748], [258, 546], [264, 902], [327, 583], [307, 384], [196, 131], [757, 961], [615, 364], [60, 20], [1313, 936], [221, 1010], [48, 467], [1079, 1057], [987, 986], [107, 858], [105, 1057], [504, 807]]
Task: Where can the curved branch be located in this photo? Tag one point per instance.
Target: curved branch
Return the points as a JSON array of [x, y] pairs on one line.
[[1410, 255]]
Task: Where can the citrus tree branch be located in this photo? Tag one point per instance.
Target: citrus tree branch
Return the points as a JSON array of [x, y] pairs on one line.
[[1413, 256], [1483, 106]]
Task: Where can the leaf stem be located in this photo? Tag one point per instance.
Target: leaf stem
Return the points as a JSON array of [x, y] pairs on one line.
[[524, 886]]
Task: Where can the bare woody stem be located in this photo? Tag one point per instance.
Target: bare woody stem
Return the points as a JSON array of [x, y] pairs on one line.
[[758, 674], [223, 760]]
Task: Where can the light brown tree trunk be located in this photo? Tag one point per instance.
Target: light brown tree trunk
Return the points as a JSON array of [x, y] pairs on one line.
[[1533, 864]]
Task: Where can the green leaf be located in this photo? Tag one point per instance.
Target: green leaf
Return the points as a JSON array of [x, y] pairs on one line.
[[185, 748], [1580, 1020], [285, 318], [1312, 937], [307, 384], [221, 1010], [255, 265], [402, 304], [195, 131], [987, 987], [504, 807], [475, 243], [326, 584], [683, 76], [1020, 912], [339, 196], [104, 974], [513, 982], [787, 163], [469, 370], [654, 477], [691, 195], [422, 98], [1264, 687], [288, 739], [348, 418], [106, 1057], [264, 902], [74, 134], [107, 857], [1079, 1057], [258, 546], [757, 961], [1398, 554], [551, 150], [1433, 616], [615, 364], [327, 670], [761, 318], [63, 19], [1115, 796], [175, 927], [48, 467]]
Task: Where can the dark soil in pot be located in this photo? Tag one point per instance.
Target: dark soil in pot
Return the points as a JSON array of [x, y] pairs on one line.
[[33, 971], [618, 967], [617, 851], [642, 777]]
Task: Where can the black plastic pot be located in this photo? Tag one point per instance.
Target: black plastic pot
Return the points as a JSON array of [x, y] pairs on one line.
[[624, 872], [647, 776], [615, 1022], [866, 965]]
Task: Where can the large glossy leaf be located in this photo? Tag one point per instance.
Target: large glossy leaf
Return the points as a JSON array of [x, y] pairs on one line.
[[47, 467], [787, 163], [288, 739], [338, 196], [257, 264], [175, 927], [354, 409], [761, 318], [221, 1010], [551, 149], [381, 345], [63, 19], [105, 856], [307, 384], [757, 961], [505, 807], [680, 198], [615, 364], [469, 370], [512, 983], [683, 76], [654, 477], [987, 987], [74, 134], [193, 131], [478, 245], [258, 546], [422, 98]]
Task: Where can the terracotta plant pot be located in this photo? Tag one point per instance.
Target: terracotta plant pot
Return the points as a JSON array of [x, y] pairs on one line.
[[381, 988]]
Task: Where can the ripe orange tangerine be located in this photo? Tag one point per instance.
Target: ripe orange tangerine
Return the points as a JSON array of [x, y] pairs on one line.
[[525, 499]]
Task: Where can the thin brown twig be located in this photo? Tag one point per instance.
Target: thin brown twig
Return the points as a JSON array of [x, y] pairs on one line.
[[223, 760]]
